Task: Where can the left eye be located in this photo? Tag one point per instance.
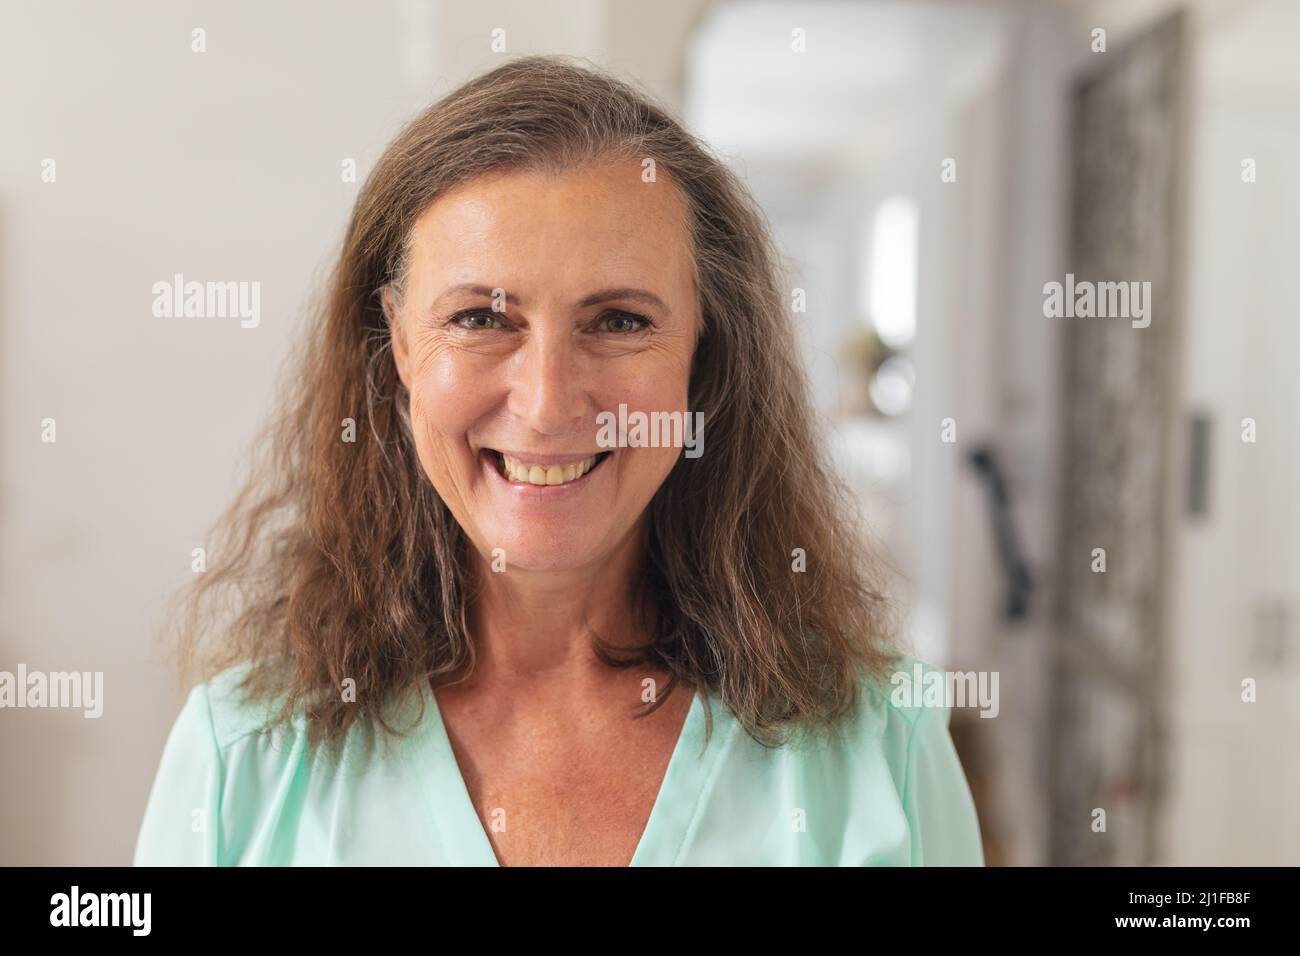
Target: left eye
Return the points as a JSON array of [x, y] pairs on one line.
[[623, 322], [475, 321]]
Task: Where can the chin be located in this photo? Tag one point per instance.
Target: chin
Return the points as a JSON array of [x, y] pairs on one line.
[[542, 552]]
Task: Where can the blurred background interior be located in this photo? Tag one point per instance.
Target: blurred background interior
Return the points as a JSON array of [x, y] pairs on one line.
[[926, 167]]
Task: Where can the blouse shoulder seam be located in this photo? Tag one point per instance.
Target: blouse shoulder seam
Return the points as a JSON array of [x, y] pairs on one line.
[[206, 694], [215, 821], [911, 713], [913, 737]]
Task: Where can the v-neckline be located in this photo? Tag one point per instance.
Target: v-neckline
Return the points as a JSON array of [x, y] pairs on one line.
[[672, 815]]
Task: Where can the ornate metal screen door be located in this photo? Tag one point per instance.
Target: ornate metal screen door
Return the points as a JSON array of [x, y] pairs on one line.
[[1106, 744]]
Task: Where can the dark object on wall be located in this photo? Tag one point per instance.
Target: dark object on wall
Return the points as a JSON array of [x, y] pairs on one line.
[[1106, 743], [1019, 584]]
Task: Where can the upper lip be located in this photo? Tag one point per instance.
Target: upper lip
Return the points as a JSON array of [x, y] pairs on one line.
[[537, 458]]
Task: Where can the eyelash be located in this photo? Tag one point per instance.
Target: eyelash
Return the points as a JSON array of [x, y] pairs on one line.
[[459, 317]]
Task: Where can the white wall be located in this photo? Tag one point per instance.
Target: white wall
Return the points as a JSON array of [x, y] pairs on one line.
[[223, 165], [1235, 793]]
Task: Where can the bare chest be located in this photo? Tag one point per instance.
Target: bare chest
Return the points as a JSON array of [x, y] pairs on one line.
[[552, 816], [550, 799]]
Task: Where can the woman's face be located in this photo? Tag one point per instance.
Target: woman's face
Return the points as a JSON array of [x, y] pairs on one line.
[[534, 302]]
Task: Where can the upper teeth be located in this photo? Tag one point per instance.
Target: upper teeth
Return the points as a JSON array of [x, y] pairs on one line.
[[517, 470]]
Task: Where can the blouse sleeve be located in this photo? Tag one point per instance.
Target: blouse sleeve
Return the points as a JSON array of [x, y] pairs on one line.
[[936, 797], [182, 817]]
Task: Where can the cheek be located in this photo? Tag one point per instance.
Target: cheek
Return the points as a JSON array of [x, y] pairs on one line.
[[449, 393], [661, 385], [664, 387], [650, 468]]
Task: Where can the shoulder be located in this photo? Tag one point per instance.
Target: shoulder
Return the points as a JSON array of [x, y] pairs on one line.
[[183, 822], [233, 781], [230, 713], [906, 715], [223, 733], [909, 712], [886, 788], [894, 706]]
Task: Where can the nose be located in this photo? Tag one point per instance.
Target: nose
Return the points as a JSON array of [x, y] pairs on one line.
[[548, 392]]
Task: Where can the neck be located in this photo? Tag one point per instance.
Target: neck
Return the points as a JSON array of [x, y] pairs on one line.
[[533, 629]]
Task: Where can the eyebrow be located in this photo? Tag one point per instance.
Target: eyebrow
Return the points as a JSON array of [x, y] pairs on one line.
[[626, 293]]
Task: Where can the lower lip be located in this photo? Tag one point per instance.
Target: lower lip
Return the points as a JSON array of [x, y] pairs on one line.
[[528, 490]]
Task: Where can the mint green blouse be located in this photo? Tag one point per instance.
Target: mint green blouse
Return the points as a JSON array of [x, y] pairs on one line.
[[889, 792]]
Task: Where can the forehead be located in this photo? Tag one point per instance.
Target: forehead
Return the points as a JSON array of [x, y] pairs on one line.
[[598, 222]]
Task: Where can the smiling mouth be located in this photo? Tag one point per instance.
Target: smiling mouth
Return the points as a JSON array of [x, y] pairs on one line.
[[520, 471]]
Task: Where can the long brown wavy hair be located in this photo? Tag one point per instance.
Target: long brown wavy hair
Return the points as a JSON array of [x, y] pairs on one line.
[[338, 559]]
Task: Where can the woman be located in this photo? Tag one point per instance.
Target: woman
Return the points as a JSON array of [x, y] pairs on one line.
[[485, 615]]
